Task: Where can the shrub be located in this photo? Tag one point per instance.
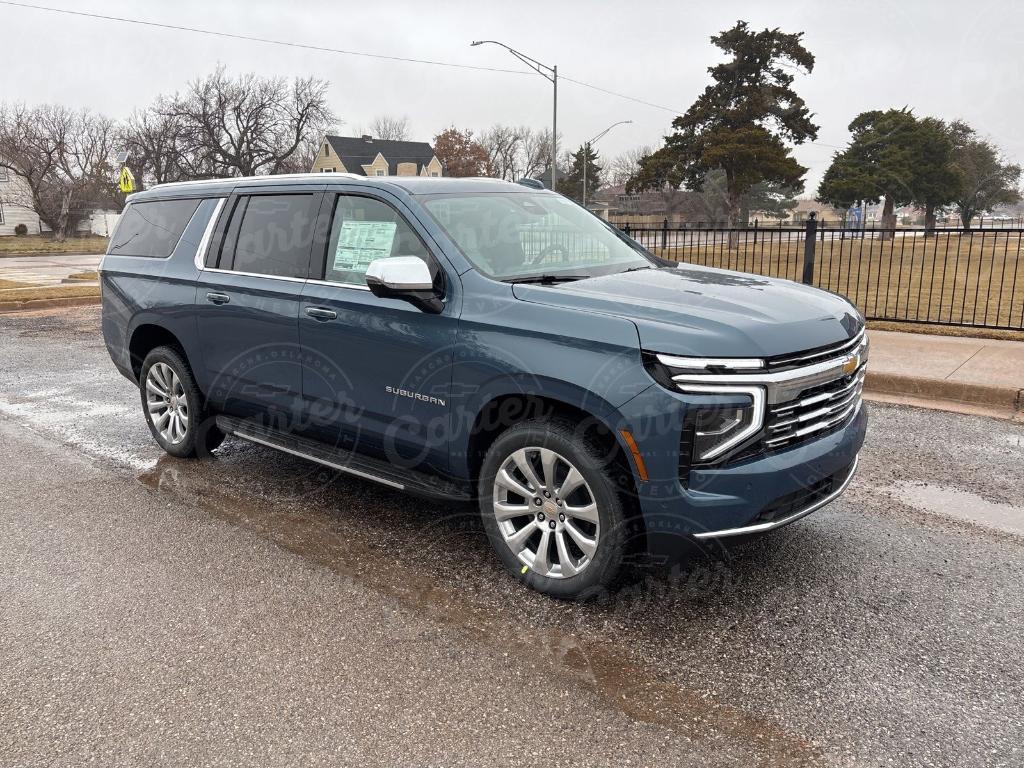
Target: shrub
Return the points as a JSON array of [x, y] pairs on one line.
[[20, 230]]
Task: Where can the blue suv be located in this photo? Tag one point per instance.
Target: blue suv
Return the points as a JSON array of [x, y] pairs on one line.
[[476, 340]]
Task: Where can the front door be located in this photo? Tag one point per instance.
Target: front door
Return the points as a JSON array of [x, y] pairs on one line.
[[376, 373], [247, 302]]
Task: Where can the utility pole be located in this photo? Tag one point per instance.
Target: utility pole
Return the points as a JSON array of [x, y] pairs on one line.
[[550, 73]]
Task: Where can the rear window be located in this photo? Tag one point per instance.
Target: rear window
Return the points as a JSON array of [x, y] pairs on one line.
[[151, 229], [275, 235]]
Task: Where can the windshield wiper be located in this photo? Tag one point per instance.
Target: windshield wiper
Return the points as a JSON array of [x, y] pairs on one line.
[[547, 279]]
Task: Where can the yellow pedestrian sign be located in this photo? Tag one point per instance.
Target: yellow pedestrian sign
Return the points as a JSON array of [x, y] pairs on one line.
[[127, 182]]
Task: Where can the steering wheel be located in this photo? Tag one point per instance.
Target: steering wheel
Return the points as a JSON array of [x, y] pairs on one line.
[[545, 252]]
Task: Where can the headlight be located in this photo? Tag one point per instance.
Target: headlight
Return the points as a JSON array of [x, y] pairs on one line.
[[737, 413], [717, 427]]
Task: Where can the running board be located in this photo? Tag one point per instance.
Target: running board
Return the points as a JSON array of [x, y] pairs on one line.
[[349, 462]]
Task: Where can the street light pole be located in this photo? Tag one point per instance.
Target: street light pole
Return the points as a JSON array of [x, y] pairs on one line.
[[551, 74], [586, 154]]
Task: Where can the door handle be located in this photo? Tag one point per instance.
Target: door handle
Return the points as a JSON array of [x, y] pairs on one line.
[[218, 298], [319, 313]]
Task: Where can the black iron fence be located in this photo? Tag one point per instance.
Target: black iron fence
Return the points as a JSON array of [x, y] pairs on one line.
[[945, 276]]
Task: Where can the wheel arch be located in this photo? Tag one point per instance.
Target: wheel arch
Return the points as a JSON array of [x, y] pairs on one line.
[[502, 411], [146, 337]]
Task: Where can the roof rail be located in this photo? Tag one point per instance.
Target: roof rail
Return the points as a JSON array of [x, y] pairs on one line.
[[266, 177]]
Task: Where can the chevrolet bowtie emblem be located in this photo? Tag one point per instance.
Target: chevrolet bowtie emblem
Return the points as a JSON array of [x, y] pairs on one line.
[[851, 365]]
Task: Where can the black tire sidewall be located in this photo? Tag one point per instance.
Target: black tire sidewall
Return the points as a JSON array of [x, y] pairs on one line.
[[602, 572], [197, 422]]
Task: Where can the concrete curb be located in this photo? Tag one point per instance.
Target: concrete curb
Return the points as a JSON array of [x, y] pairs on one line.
[[7, 307], [1008, 398]]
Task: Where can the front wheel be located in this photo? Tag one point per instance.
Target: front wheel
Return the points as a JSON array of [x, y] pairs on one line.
[[174, 407], [552, 509]]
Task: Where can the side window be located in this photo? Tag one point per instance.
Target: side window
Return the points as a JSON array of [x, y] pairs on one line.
[[364, 229], [151, 229], [274, 235]]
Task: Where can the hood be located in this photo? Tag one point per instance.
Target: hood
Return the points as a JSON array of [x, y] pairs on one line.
[[691, 310]]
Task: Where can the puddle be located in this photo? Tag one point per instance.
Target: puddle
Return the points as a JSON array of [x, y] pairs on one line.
[[961, 505], [633, 689]]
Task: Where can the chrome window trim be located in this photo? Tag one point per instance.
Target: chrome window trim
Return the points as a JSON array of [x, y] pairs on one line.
[[756, 394], [204, 242], [761, 527], [255, 274], [351, 286]]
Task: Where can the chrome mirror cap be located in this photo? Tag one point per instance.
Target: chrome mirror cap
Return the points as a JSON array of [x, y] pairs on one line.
[[400, 273]]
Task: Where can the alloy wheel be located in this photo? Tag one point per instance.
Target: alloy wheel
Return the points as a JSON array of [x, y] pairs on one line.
[[546, 512], [167, 404]]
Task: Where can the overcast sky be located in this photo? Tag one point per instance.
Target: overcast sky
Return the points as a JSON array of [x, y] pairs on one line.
[[945, 59]]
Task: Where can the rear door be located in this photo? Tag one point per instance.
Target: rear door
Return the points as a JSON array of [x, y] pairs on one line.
[[247, 303]]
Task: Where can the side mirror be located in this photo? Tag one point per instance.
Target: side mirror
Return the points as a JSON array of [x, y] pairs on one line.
[[404, 277]]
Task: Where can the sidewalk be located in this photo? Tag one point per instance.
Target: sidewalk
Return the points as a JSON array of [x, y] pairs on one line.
[[949, 373], [47, 270]]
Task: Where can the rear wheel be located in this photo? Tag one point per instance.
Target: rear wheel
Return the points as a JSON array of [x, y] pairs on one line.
[[552, 509], [174, 406]]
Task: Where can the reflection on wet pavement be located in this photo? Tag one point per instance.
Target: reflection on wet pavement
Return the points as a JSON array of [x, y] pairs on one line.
[[324, 536], [961, 505]]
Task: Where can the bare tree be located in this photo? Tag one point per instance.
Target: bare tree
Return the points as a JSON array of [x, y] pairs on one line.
[[161, 148], [515, 152], [390, 128], [536, 148], [249, 125], [65, 159], [626, 165], [504, 149]]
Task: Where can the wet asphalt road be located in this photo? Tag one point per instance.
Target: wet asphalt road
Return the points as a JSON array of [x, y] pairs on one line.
[[253, 609]]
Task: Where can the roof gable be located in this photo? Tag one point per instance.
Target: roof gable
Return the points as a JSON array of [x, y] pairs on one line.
[[356, 151]]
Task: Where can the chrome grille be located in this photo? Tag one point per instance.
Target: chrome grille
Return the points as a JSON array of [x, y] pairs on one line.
[[817, 355], [815, 410]]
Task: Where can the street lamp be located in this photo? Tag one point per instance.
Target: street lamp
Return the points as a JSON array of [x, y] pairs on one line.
[[551, 73], [586, 154]]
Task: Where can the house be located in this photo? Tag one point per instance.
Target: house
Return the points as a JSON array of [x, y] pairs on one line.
[[15, 205], [16, 208], [368, 156]]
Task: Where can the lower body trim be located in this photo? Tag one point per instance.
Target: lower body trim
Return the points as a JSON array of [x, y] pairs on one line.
[[770, 526]]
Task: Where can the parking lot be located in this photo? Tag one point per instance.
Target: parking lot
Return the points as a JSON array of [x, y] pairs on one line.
[[256, 609]]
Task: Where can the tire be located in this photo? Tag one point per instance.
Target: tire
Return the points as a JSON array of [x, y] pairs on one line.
[[508, 527], [174, 408]]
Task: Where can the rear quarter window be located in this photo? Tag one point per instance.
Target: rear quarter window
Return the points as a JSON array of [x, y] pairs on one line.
[[151, 229]]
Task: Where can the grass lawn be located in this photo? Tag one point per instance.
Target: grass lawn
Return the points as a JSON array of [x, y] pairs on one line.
[[33, 244], [13, 284], [11, 291], [972, 281], [91, 274]]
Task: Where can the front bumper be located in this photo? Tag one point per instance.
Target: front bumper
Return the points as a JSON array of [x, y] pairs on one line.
[[816, 501], [750, 496]]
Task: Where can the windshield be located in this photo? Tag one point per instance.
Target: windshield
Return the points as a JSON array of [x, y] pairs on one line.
[[522, 236]]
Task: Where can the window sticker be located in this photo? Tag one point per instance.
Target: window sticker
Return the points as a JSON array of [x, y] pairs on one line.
[[360, 242]]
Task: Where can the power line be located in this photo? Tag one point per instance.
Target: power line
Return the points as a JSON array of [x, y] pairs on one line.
[[324, 49], [249, 38], [622, 95]]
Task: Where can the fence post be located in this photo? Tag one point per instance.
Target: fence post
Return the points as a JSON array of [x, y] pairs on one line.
[[664, 234], [809, 243]]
